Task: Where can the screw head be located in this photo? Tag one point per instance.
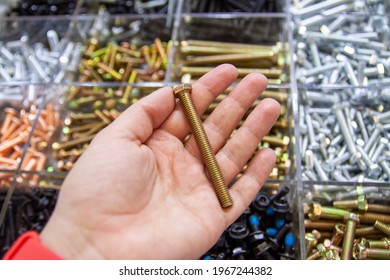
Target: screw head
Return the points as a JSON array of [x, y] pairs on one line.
[[182, 88], [362, 203], [315, 211], [352, 217], [359, 252]]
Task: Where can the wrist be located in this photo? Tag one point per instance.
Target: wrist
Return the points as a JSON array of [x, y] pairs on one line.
[[67, 240]]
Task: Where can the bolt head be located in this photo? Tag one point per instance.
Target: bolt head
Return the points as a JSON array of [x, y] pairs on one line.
[[340, 229], [362, 203], [182, 88], [10, 111], [374, 171], [352, 217], [315, 211], [359, 252]]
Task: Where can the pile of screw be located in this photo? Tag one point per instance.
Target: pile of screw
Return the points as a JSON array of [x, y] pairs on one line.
[[125, 62], [344, 135], [334, 48], [28, 210], [198, 57], [90, 110], [238, 6], [21, 60], [15, 129], [263, 231], [347, 223]]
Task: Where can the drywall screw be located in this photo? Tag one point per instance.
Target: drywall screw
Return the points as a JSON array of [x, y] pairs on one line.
[[382, 227], [350, 219], [360, 252], [183, 93]]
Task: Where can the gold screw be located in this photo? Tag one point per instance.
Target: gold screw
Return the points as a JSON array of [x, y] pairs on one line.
[[183, 93], [382, 227]]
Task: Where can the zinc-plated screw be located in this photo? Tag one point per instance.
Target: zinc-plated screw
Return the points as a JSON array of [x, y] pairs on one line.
[[317, 211], [382, 227], [351, 219], [360, 252], [384, 243], [183, 93], [358, 204], [371, 218]]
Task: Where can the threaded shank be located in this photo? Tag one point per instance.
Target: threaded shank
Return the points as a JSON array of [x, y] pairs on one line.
[[206, 152], [379, 208], [371, 218], [382, 227]]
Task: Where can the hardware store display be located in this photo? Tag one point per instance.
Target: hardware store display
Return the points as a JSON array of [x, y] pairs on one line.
[[64, 78]]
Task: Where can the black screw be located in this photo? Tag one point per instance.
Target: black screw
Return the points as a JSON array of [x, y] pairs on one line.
[[276, 241], [238, 232], [281, 193], [261, 251], [261, 202]]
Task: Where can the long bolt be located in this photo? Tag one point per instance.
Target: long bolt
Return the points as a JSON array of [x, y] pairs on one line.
[[371, 218], [351, 220], [183, 92], [382, 227]]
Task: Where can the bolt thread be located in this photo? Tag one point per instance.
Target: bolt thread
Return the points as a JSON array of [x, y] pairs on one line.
[[378, 208], [206, 151], [382, 227], [371, 218]]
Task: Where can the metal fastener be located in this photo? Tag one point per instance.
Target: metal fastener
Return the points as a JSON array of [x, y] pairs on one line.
[[183, 92]]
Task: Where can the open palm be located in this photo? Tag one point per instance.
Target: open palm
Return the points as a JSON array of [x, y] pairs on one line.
[[139, 192]]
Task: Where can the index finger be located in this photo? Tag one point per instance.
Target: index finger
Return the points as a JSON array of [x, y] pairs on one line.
[[204, 91]]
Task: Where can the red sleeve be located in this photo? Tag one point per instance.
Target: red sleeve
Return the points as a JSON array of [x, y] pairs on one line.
[[29, 247]]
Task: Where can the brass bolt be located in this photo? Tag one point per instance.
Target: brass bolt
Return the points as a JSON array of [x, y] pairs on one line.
[[183, 92], [310, 241], [321, 225], [384, 243], [351, 219], [360, 252], [70, 144], [358, 204], [321, 252], [378, 208], [366, 231], [371, 218], [382, 227], [317, 211]]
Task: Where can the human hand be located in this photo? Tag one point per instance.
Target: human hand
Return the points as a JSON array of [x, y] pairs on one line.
[[139, 192]]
